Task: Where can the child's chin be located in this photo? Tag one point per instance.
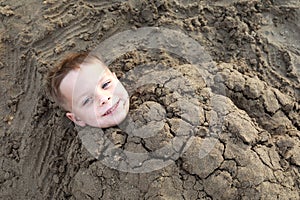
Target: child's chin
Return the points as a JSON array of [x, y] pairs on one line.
[[114, 121]]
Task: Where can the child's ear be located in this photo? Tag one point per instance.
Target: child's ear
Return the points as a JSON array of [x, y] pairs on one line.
[[75, 119]]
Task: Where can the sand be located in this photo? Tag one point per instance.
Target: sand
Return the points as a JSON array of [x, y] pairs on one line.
[[231, 115]]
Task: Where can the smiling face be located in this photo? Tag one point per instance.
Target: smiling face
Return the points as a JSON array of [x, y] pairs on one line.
[[94, 96]]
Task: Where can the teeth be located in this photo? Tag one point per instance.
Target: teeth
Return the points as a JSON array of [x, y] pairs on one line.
[[111, 109]]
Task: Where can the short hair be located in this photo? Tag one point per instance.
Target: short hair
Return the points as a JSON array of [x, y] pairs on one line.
[[55, 76]]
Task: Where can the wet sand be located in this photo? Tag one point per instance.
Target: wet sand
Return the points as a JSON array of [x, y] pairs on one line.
[[255, 62]]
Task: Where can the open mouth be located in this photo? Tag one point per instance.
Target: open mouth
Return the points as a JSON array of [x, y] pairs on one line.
[[112, 109]]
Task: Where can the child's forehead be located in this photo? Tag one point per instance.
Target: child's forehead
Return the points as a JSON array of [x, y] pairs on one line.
[[94, 69], [93, 62]]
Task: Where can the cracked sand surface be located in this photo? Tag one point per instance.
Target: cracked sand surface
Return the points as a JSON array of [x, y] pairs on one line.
[[254, 44]]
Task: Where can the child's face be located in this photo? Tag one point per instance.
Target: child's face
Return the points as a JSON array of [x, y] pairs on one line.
[[95, 96]]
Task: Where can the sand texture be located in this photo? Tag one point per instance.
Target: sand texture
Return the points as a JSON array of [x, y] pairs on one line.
[[253, 63]]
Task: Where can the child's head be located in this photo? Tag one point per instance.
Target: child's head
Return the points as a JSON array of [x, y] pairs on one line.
[[90, 93]]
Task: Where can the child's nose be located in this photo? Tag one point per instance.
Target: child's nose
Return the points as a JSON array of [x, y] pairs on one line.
[[104, 100]]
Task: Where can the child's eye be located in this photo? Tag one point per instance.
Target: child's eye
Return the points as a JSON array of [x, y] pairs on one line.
[[105, 85], [86, 101]]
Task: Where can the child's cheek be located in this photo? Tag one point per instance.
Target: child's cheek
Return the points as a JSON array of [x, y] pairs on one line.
[[115, 88]]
